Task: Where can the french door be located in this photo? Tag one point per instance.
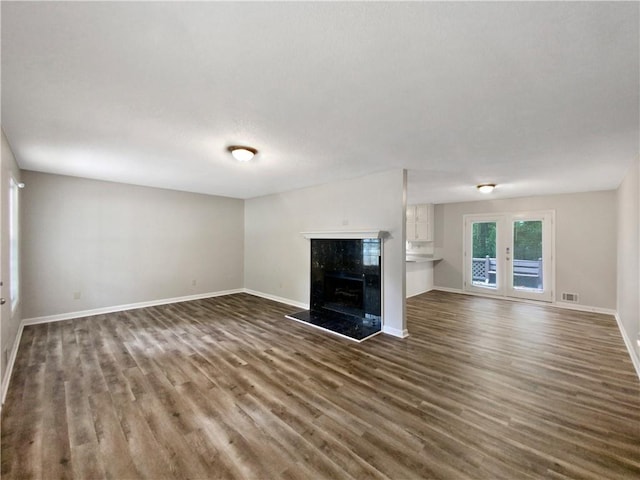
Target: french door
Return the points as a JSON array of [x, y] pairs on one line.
[[510, 255]]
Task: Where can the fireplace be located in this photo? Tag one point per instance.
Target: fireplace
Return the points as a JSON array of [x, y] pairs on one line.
[[344, 292], [345, 287]]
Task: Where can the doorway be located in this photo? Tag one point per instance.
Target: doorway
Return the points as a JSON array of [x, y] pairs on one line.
[[510, 255]]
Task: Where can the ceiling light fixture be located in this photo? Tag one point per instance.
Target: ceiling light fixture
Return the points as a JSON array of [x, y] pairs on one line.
[[241, 153], [486, 187]]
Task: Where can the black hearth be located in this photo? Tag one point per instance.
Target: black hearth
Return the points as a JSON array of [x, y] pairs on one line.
[[346, 287]]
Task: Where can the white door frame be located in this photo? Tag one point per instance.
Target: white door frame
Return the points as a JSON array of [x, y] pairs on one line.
[[547, 217], [504, 239], [467, 252]]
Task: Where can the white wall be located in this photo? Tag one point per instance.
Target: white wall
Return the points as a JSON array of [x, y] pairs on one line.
[[10, 320], [628, 278], [419, 278], [118, 244], [586, 242], [277, 256]]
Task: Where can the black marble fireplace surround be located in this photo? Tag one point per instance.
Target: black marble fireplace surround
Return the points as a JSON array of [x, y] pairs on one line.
[[346, 287]]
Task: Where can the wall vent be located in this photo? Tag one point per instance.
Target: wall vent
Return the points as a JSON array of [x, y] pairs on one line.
[[569, 297]]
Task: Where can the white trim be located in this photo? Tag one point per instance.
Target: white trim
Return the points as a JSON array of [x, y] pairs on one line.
[[12, 361], [118, 308], [504, 281], [467, 253], [450, 290], [583, 308], [131, 306], [548, 219], [331, 331], [382, 295], [568, 306], [275, 298], [345, 234], [420, 293], [15, 233], [627, 341], [395, 332]]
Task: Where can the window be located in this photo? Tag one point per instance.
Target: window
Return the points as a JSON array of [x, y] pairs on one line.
[[14, 268], [371, 251]]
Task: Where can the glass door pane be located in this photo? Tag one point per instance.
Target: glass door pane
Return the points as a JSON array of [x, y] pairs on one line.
[[527, 263], [529, 268], [483, 261], [509, 254]]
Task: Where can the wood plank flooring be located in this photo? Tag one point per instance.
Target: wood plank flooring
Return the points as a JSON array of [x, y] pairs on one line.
[[228, 388]]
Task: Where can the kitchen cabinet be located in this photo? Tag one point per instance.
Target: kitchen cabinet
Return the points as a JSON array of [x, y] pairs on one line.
[[420, 223]]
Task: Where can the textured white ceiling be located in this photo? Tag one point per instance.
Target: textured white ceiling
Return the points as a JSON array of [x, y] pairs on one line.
[[538, 97]]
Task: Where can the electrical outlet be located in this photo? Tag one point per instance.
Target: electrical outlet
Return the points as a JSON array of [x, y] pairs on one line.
[[76, 295]]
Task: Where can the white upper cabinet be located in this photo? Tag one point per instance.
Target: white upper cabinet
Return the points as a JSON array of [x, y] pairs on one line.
[[411, 214], [420, 223]]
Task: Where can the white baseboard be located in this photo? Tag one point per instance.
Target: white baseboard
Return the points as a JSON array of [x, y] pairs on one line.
[[419, 293], [120, 308], [275, 298], [629, 344], [570, 306], [584, 308], [395, 331], [12, 360], [449, 290], [96, 311]]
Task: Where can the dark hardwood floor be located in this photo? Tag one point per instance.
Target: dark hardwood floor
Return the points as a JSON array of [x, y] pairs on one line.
[[228, 388]]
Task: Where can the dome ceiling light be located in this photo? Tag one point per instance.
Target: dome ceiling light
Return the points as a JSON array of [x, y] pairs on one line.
[[486, 187], [242, 153]]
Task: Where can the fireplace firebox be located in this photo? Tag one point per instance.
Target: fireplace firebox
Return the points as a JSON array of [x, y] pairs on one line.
[[344, 292], [346, 286]]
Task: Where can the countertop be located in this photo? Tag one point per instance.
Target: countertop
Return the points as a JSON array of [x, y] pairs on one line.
[[413, 258]]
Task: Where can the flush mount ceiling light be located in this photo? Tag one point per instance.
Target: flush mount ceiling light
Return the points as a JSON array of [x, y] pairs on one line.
[[241, 153], [486, 187]]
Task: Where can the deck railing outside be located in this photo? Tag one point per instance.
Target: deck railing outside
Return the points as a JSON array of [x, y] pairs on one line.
[[526, 273]]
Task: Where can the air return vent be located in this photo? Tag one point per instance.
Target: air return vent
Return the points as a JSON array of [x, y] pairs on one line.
[[570, 297]]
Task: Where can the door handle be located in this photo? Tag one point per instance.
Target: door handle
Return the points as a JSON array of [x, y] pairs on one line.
[[2, 301]]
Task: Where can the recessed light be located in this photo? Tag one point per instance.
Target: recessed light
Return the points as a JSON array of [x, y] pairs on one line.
[[486, 187], [242, 153]]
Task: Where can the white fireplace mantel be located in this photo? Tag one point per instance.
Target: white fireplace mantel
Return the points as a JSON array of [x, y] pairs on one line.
[[345, 234]]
